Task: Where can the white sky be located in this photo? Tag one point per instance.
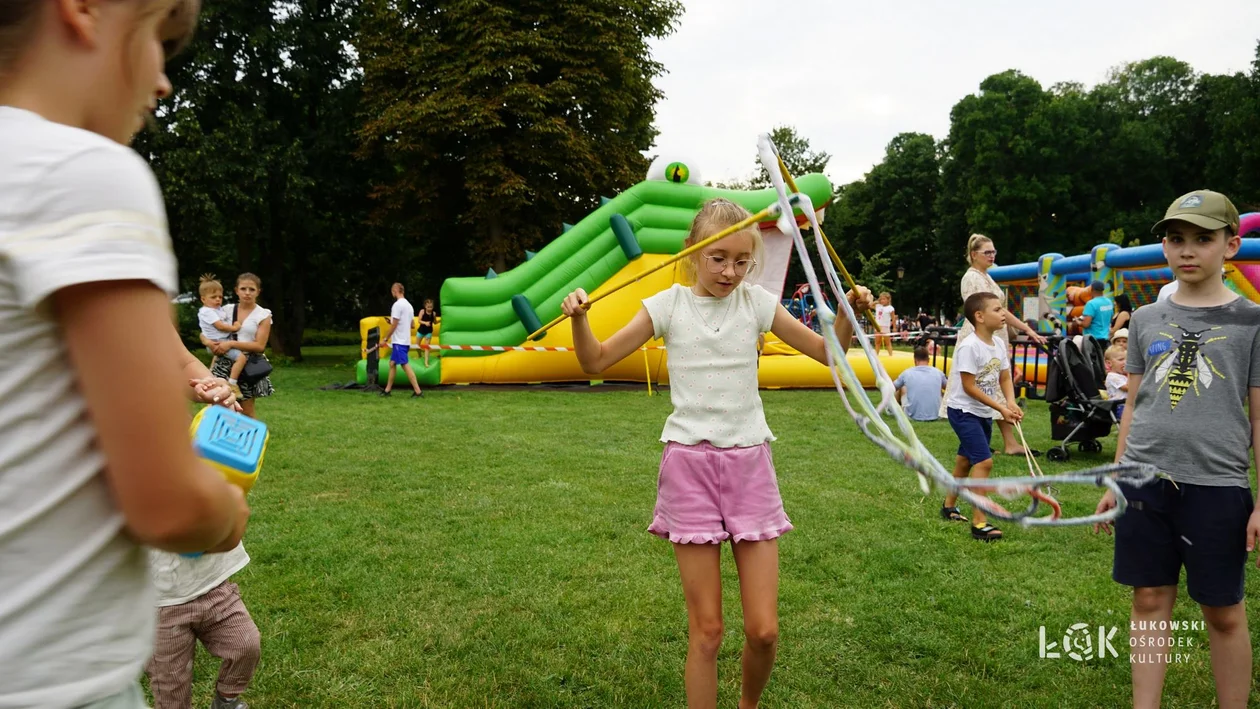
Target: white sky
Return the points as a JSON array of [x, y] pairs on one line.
[[850, 75]]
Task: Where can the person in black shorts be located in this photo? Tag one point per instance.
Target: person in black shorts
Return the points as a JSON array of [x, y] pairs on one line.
[[424, 330], [1193, 362]]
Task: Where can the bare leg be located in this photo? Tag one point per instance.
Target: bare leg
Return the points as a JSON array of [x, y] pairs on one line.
[[238, 366], [389, 381], [1151, 605], [1230, 643], [962, 468], [411, 377], [980, 471], [425, 350], [758, 564], [700, 569], [1010, 445], [247, 408]]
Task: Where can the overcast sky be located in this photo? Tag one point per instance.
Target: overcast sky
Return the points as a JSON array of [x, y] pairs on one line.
[[851, 75]]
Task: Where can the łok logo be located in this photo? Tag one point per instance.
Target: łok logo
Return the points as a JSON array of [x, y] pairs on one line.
[[1078, 643]]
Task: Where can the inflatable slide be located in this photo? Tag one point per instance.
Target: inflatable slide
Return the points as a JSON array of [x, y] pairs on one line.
[[626, 236]]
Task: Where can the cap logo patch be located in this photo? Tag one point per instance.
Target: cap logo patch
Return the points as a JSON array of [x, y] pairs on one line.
[[1191, 202]]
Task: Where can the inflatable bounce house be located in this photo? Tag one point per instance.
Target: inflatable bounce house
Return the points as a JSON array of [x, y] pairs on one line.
[[1060, 285], [482, 331]]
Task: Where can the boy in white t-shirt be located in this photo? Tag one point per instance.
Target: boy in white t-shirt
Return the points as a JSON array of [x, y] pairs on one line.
[[217, 327], [198, 601], [985, 369], [884, 315]]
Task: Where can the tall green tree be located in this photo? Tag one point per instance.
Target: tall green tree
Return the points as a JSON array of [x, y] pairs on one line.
[[256, 153], [797, 154], [500, 120]]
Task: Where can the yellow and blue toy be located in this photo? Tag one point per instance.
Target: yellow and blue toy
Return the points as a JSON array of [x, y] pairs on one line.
[[232, 443]]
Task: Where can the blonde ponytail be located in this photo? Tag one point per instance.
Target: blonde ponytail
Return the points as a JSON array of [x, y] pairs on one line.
[[973, 245]]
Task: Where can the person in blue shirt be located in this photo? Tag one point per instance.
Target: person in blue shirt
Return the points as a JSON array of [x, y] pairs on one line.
[[921, 387], [1096, 318]]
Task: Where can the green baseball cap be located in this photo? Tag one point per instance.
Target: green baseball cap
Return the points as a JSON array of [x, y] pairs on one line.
[[1205, 208]]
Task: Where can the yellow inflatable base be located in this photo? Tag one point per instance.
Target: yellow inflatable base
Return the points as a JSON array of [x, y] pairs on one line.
[[775, 371], [781, 367]]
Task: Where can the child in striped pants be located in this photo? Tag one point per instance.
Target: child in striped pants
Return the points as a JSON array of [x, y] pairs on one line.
[[198, 601]]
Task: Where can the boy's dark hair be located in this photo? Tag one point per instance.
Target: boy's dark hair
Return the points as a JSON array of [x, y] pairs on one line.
[[920, 354], [974, 304]]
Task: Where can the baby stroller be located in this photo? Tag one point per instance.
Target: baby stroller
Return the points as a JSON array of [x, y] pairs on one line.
[[1078, 412]]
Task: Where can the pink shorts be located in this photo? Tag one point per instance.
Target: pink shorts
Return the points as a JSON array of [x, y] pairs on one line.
[[706, 495]]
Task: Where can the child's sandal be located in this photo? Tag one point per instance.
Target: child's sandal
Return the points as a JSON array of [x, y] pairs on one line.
[[951, 514], [987, 533]]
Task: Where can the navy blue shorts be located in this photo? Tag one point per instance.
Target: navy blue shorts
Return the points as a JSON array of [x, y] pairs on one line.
[[1202, 528], [398, 354], [974, 433]]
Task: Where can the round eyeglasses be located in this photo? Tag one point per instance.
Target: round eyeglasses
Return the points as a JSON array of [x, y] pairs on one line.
[[717, 264]]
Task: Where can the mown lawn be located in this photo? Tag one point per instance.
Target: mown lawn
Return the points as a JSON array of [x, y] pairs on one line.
[[486, 548]]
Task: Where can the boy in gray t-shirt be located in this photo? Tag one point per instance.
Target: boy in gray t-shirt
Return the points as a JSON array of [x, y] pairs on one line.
[[1193, 364]]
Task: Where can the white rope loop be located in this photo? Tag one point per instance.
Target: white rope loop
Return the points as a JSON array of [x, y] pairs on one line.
[[907, 449]]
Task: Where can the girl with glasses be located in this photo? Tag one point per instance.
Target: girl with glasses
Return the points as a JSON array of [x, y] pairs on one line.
[[717, 480]]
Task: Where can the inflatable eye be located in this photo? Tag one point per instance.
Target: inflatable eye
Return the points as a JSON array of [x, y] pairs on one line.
[[677, 172]]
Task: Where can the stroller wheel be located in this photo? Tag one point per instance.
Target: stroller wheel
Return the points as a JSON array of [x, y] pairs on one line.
[[1058, 454], [1090, 447]]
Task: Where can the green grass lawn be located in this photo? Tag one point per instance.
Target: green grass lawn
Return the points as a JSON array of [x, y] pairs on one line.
[[486, 548]]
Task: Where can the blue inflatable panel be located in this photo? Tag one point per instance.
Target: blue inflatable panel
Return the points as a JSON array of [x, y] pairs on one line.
[[1018, 272], [1072, 264], [1134, 257]]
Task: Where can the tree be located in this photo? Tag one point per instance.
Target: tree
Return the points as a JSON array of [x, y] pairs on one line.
[[796, 153], [501, 120], [255, 151]]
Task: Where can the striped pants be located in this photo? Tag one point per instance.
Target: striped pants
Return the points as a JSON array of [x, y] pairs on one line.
[[218, 619]]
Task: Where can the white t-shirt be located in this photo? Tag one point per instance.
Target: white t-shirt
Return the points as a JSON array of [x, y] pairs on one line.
[[76, 603], [404, 314], [180, 579], [207, 317], [711, 351], [249, 326], [883, 316], [986, 362], [1115, 380]]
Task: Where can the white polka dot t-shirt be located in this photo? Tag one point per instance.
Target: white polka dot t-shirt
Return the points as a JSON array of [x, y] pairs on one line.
[[711, 351]]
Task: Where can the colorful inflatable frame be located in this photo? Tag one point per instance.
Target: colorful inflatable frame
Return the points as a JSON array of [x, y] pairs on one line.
[[626, 236], [1137, 270]]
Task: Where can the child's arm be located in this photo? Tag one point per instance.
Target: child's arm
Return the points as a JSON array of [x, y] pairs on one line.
[[1122, 438], [974, 391], [224, 326], [1253, 525], [804, 340], [168, 499], [1108, 500], [1008, 391], [202, 386], [596, 356]]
